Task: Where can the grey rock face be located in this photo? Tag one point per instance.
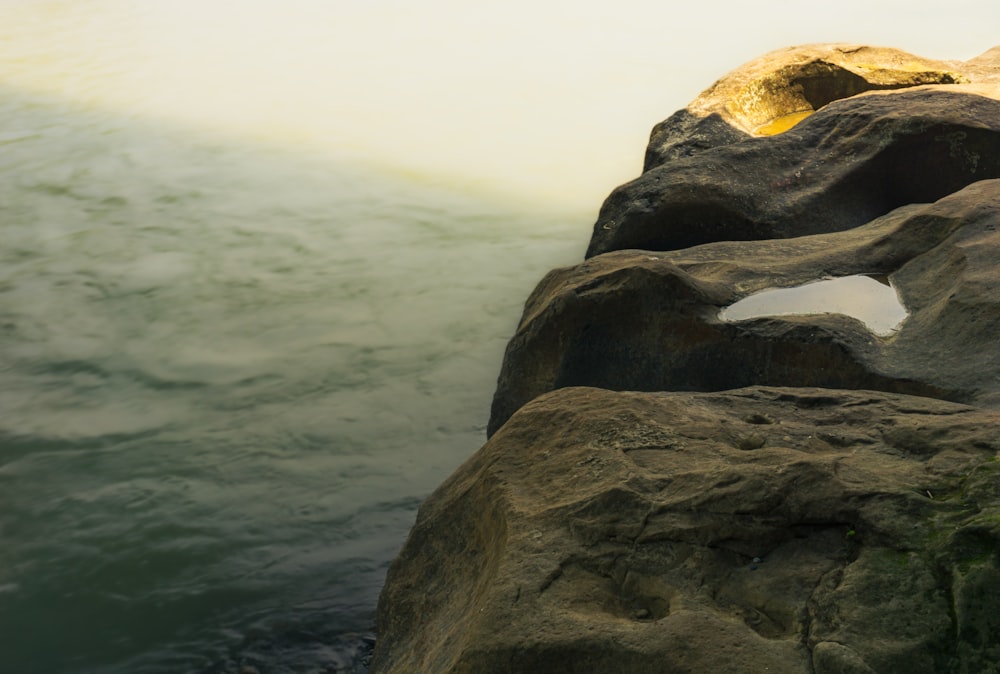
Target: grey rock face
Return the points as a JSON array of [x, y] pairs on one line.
[[648, 321], [925, 129], [849, 163]]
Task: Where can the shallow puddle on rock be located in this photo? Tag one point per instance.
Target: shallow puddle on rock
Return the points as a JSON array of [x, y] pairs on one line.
[[783, 123], [862, 297]]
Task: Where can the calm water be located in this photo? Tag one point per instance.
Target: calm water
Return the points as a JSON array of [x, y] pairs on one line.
[[229, 377], [874, 303]]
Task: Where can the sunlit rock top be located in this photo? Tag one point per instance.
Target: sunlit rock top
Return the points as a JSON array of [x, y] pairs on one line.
[[772, 93]]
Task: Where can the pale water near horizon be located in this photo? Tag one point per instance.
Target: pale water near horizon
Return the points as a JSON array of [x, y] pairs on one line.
[[260, 261]]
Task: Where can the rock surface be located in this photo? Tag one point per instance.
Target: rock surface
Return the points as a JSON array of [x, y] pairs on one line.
[[709, 178], [616, 532], [666, 491], [649, 321], [797, 80]]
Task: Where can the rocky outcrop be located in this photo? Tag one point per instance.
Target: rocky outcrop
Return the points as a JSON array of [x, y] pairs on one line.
[[664, 490], [847, 164], [762, 529], [710, 177], [649, 321], [791, 83]]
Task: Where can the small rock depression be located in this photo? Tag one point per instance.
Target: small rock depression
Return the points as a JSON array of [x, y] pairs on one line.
[[874, 303]]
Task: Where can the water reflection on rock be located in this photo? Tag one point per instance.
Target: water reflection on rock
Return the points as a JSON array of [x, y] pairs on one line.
[[872, 301]]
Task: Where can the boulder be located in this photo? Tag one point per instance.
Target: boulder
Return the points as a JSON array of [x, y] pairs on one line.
[[649, 321], [790, 83], [761, 529], [666, 490], [711, 176]]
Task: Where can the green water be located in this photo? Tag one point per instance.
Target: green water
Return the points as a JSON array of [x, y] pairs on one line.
[[230, 374]]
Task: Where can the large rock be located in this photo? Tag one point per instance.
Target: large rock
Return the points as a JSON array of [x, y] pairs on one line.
[[617, 532], [667, 491], [790, 83], [644, 321], [710, 177]]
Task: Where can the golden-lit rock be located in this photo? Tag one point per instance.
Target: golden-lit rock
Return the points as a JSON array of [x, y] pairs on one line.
[[797, 81]]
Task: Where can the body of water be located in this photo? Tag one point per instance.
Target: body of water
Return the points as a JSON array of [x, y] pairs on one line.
[[231, 370], [229, 377]]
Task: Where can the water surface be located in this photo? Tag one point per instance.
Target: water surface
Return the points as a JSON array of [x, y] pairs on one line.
[[871, 301], [230, 375]]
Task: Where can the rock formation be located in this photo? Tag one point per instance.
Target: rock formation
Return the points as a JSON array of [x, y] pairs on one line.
[[648, 320], [617, 532], [666, 491], [851, 161]]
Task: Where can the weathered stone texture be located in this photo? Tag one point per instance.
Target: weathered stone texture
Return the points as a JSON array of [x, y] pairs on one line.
[[849, 163], [648, 321], [924, 129], [603, 531]]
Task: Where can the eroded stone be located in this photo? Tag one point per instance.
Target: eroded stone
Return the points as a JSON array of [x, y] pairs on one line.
[[644, 321], [776, 521], [602, 531]]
